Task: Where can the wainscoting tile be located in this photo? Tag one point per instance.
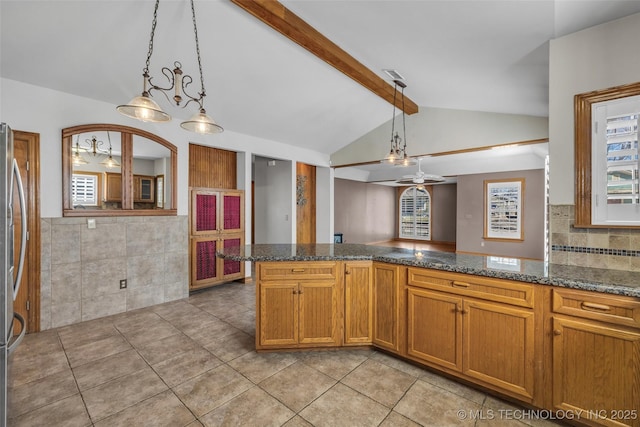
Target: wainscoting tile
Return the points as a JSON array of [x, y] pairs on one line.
[[103, 305], [65, 313], [66, 282], [105, 241], [145, 270], [103, 277], [65, 244]]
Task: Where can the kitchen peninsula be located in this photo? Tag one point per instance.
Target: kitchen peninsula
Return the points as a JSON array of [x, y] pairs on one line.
[[550, 336]]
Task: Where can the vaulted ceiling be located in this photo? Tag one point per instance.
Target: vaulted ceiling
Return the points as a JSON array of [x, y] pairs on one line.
[[478, 55]]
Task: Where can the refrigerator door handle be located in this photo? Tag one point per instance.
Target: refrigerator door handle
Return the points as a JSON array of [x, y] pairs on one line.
[[16, 340], [23, 229]]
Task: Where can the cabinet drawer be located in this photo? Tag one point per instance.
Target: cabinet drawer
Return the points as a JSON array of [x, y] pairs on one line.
[[590, 305], [297, 270], [514, 293]]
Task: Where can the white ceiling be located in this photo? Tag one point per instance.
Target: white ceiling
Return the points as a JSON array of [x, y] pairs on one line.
[[479, 55]]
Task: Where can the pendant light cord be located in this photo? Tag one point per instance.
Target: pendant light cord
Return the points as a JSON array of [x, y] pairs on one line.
[[153, 32], [404, 127], [393, 117], [195, 30]]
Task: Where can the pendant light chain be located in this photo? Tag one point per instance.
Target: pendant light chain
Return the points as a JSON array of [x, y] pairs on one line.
[[195, 30], [404, 127], [393, 119], [153, 32]]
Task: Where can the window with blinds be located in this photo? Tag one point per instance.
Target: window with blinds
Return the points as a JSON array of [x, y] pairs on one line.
[[615, 163], [415, 214], [84, 189]]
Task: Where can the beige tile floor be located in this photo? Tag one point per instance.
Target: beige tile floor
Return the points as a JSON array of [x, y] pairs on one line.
[[192, 363]]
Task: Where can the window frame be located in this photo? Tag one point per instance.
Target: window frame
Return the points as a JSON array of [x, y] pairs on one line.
[[583, 128], [401, 192], [127, 209]]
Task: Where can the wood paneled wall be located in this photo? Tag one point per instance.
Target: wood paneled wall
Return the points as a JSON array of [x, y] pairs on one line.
[[306, 203], [212, 167]]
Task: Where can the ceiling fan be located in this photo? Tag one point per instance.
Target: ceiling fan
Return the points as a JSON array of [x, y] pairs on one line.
[[420, 177]]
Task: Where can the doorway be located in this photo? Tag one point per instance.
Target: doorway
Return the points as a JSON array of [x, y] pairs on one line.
[[27, 154]]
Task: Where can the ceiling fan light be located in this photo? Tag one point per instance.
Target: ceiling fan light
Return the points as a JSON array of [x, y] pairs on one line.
[[145, 109], [202, 123]]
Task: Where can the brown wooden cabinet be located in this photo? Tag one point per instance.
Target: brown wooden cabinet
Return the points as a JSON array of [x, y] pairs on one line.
[[216, 222], [358, 303], [113, 187], [388, 306], [596, 356], [298, 305], [144, 189], [491, 342]]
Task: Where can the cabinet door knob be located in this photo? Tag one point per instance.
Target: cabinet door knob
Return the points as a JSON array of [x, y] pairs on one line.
[[557, 332], [347, 272]]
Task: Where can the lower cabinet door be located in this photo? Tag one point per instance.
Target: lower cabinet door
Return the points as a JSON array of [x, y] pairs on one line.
[[386, 306], [318, 312], [596, 370], [358, 313], [434, 328], [278, 314], [499, 346]]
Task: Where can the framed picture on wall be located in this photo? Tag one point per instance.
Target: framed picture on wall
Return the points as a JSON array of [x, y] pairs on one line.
[[503, 209]]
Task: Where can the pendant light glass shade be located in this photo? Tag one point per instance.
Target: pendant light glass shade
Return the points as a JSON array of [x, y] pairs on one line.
[[77, 159], [201, 122], [145, 109]]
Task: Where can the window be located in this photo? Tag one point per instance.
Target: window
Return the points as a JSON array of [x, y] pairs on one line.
[[607, 161], [85, 189], [415, 214], [614, 162]]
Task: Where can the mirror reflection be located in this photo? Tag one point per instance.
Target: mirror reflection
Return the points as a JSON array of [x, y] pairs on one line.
[[111, 170], [96, 181], [151, 161]]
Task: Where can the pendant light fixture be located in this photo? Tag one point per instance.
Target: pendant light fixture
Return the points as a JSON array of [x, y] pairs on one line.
[[110, 162], [76, 158], [146, 109], [398, 152]]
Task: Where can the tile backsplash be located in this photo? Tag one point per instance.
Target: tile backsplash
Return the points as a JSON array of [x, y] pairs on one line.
[[610, 248], [82, 267]]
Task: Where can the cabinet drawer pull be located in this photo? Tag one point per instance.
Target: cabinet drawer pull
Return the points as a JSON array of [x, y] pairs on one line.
[[297, 270], [593, 306], [460, 284]]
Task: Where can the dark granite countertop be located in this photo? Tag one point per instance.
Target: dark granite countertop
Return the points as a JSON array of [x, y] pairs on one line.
[[592, 279]]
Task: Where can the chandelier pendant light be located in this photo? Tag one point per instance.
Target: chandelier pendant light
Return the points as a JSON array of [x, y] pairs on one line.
[[146, 109], [398, 152], [92, 150], [110, 162]]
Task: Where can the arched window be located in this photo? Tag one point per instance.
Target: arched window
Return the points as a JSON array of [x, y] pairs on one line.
[[415, 214]]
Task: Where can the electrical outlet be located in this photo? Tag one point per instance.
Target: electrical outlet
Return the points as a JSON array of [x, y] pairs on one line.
[[123, 284]]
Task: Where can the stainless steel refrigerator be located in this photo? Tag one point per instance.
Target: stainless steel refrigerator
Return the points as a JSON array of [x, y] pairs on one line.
[[10, 265]]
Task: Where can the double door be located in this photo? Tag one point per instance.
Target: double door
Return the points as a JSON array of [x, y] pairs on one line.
[[216, 223], [298, 313], [483, 340]]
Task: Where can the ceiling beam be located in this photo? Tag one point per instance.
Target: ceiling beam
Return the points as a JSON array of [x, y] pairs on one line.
[[281, 19]]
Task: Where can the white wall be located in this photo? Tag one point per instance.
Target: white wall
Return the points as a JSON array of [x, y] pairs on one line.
[[324, 199], [438, 130], [275, 213], [36, 109], [596, 58]]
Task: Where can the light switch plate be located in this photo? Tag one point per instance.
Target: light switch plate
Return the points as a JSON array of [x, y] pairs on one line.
[[91, 223]]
